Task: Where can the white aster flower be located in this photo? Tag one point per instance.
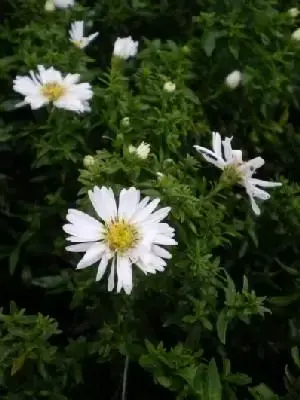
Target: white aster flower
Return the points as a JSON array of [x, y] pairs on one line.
[[296, 34], [233, 79], [128, 233], [77, 37], [244, 169], [49, 5], [169, 87], [125, 47], [49, 86], [63, 3], [293, 12], [142, 151]]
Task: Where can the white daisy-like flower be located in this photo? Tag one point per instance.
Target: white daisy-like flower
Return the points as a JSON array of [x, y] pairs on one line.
[[64, 3], [244, 169], [49, 86], [296, 34], [293, 12], [77, 37], [142, 151], [128, 233], [169, 87], [233, 79], [125, 47]]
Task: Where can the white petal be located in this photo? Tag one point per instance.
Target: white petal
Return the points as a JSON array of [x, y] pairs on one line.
[[217, 144], [85, 232], [92, 255], [254, 206], [124, 274], [77, 216], [159, 214], [111, 278], [228, 149], [210, 156], [165, 240], [260, 194], [266, 184], [80, 248], [253, 165], [128, 202], [103, 202], [78, 239], [144, 213], [101, 268], [161, 252]]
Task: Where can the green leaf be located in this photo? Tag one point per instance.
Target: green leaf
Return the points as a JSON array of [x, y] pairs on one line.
[[239, 379], [17, 364], [190, 95], [209, 41], [214, 388], [222, 324], [262, 392], [164, 381], [295, 355]]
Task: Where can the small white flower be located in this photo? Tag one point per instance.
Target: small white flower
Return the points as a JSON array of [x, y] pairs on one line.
[[77, 37], [128, 233], [245, 169], [48, 85], [125, 47], [293, 12], [169, 87], [89, 161], [296, 34], [125, 121], [160, 175], [142, 151], [49, 5], [63, 3], [233, 79]]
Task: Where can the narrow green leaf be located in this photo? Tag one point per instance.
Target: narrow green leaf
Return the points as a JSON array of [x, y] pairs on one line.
[[222, 324], [214, 388]]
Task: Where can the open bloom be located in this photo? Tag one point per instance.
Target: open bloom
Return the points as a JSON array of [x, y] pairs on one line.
[[233, 79], [49, 86], [244, 169], [63, 3], [125, 47], [169, 87], [142, 151], [77, 37], [128, 233]]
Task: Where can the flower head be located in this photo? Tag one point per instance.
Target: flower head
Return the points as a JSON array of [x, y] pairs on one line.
[[77, 37], [244, 170], [89, 161], [296, 34], [169, 87], [49, 86], [125, 47], [128, 233], [142, 151], [233, 79], [63, 3], [293, 12]]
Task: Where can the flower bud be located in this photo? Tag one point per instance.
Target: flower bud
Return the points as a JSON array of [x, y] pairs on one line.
[[89, 161], [293, 12], [169, 87], [296, 34], [125, 121], [49, 6], [233, 79]]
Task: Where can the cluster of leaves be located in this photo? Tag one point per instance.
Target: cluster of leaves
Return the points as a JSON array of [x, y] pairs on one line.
[[222, 321]]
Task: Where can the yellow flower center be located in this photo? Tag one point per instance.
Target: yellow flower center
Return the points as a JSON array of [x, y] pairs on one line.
[[78, 43], [121, 236], [53, 90]]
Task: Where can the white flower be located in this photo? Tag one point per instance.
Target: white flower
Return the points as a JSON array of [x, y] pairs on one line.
[[63, 3], [293, 12], [125, 121], [77, 37], [296, 34], [48, 85], [142, 151], [89, 161], [128, 233], [244, 169], [233, 79], [49, 5], [125, 47], [169, 87]]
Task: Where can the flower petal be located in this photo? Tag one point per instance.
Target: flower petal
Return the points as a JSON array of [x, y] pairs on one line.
[[92, 255], [80, 248], [124, 274], [266, 184], [128, 202], [217, 144], [103, 202], [101, 268]]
